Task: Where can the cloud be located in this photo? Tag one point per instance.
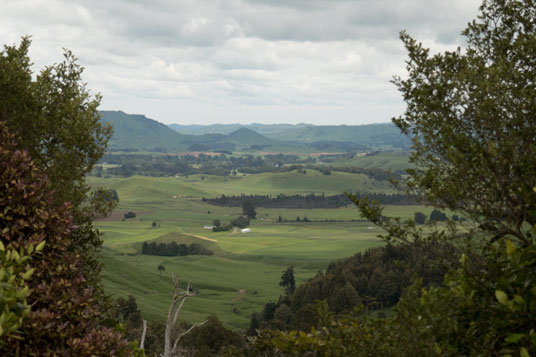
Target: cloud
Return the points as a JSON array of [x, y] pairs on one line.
[[317, 61]]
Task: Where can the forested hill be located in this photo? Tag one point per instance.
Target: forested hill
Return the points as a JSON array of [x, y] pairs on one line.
[[365, 135], [224, 129], [134, 132], [372, 134], [139, 133]]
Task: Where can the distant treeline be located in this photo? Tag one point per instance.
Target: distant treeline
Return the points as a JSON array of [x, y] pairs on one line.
[[373, 172], [305, 201], [171, 165], [222, 165], [173, 249]]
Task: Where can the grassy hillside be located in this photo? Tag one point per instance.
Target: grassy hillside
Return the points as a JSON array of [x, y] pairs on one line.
[[368, 135], [245, 270], [263, 129], [141, 133], [383, 160]]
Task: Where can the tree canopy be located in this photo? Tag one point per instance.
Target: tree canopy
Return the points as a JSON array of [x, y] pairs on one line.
[[471, 114]]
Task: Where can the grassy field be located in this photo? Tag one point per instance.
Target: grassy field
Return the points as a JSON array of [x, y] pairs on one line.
[[245, 270], [384, 160]]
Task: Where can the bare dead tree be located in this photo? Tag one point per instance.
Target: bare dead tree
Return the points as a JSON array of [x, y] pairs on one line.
[[142, 341], [170, 348]]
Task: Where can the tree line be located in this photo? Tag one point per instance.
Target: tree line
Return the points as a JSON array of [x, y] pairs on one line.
[[221, 165], [305, 201], [173, 249], [171, 165]]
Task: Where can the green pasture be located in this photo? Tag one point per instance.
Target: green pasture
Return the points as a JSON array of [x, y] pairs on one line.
[[384, 160], [245, 270]]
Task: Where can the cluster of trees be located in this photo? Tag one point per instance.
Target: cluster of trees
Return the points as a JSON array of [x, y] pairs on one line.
[[173, 249], [239, 222], [372, 172], [435, 216], [129, 215], [305, 201], [171, 165], [374, 279], [222, 165], [218, 227]]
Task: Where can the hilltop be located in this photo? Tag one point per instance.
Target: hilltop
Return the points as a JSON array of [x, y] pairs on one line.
[[134, 132]]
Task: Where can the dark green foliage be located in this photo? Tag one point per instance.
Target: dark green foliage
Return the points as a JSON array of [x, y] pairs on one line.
[[378, 276], [130, 214], [482, 309], [419, 218], [372, 172], [287, 281], [375, 279], [306, 201], [254, 324], [210, 338], [437, 216], [173, 249], [126, 311], [248, 209], [224, 228], [240, 222], [325, 170], [471, 116]]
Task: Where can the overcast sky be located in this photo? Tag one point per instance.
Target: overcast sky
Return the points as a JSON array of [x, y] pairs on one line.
[[229, 61]]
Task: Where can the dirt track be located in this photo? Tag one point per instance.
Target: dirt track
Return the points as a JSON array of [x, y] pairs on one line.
[[200, 237]]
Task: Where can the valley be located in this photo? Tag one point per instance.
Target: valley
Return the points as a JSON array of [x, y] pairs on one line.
[[245, 270]]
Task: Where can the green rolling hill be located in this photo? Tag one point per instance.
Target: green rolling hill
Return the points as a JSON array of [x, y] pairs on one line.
[[139, 133]]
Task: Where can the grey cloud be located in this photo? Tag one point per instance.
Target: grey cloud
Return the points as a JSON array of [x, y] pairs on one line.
[[166, 57]]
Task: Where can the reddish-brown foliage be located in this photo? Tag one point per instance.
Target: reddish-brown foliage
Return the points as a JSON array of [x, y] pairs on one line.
[[65, 317]]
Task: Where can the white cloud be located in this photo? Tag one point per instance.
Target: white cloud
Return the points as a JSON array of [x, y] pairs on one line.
[[319, 61]]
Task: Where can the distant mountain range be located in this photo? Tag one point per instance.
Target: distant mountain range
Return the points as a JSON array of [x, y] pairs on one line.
[[138, 133]]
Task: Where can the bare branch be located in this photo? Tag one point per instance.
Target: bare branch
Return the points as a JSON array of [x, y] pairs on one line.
[[185, 333], [142, 341]]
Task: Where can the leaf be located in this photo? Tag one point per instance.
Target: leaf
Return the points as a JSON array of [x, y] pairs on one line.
[[40, 246], [501, 297], [514, 337], [510, 247], [523, 352], [2, 248], [16, 256], [28, 274]]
